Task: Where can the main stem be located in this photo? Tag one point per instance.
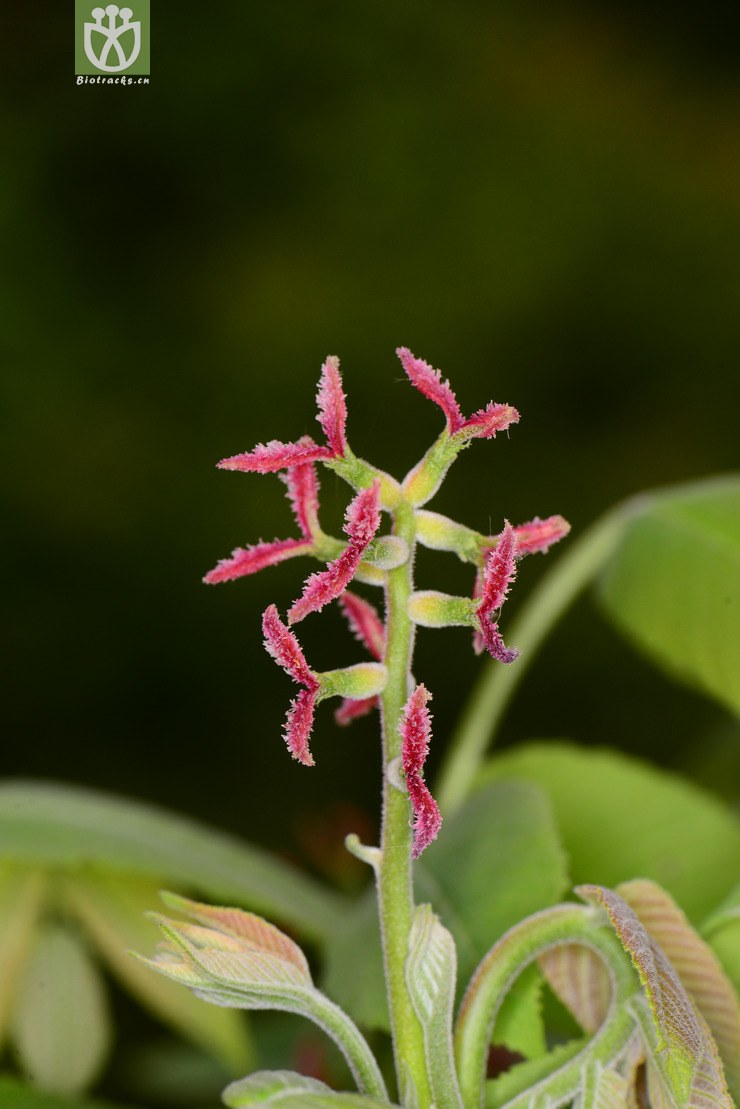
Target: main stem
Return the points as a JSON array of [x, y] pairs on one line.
[[393, 872]]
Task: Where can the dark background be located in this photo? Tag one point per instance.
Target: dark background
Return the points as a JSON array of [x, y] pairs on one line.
[[542, 199]]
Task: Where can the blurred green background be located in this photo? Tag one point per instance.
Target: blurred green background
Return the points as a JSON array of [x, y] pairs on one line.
[[542, 199]]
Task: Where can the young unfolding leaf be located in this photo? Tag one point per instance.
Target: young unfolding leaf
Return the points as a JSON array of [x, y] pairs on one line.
[[243, 962], [603, 1088], [430, 977], [680, 1044], [696, 964], [292, 1091]]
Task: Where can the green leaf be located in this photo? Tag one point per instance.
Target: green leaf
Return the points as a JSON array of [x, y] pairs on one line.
[[498, 860], [619, 817], [358, 985], [292, 1091], [60, 1028], [67, 826], [17, 1095], [111, 908], [519, 1023], [430, 977], [673, 584], [21, 897]]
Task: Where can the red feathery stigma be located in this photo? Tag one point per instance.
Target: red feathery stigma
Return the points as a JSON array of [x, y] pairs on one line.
[[282, 644], [483, 424], [250, 560], [363, 520], [416, 731], [298, 724], [332, 407], [267, 458], [303, 494], [499, 571], [353, 710], [363, 515], [364, 622], [430, 382], [487, 421], [538, 536], [498, 574]]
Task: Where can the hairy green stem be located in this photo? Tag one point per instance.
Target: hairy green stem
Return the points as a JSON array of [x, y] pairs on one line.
[[393, 869], [497, 684], [564, 924]]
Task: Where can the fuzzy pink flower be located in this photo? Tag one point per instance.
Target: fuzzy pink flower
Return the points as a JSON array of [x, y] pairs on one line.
[[498, 574], [266, 458], [416, 730], [282, 644], [481, 425], [302, 493], [369, 629], [362, 522]]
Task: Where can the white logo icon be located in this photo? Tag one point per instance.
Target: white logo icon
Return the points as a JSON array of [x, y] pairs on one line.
[[110, 35]]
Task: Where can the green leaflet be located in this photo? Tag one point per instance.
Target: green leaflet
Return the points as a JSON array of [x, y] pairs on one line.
[[112, 910], [66, 826], [430, 977], [17, 1095], [619, 817], [673, 584], [60, 1027], [498, 860], [21, 899], [292, 1091]]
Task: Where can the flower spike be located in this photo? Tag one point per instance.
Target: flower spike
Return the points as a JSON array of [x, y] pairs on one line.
[[362, 522], [303, 490], [332, 407], [416, 730], [282, 644], [498, 574], [481, 425]]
